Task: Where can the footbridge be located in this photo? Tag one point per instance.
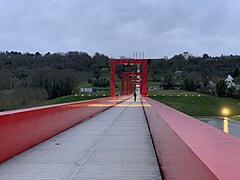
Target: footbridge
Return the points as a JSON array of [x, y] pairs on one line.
[[113, 138]]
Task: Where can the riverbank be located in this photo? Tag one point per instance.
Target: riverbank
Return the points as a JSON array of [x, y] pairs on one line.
[[196, 104]]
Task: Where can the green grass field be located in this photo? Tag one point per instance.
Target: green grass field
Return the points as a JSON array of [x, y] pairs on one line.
[[71, 98], [195, 104]]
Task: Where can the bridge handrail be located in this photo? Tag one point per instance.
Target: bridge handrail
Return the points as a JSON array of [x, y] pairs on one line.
[[22, 129], [190, 149]]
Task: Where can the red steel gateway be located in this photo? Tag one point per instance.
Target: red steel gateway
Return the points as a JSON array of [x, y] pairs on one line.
[[144, 73], [130, 83], [133, 74]]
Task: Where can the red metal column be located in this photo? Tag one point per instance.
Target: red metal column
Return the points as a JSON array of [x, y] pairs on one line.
[[144, 78], [123, 79], [127, 91], [112, 78], [131, 88]]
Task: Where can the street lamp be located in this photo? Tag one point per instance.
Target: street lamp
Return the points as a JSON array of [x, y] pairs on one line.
[[225, 111]]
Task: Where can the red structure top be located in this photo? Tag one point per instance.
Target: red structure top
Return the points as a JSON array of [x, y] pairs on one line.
[[144, 74]]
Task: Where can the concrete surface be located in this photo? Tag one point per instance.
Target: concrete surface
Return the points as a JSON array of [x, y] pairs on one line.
[[115, 144]]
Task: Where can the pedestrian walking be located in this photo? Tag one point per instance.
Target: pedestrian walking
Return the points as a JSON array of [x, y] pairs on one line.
[[135, 96]]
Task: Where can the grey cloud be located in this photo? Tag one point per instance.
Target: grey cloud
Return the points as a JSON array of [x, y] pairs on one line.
[[116, 28]]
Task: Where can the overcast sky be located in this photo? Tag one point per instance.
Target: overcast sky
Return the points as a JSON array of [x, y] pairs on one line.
[[120, 27]]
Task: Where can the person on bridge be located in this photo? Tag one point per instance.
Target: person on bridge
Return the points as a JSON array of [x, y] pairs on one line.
[[135, 96]]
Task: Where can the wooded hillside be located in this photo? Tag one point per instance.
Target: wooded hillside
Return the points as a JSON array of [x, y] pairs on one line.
[[27, 79]]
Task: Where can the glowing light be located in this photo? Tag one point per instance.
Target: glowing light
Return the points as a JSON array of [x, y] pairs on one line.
[[125, 64], [178, 95], [155, 95], [185, 94], [199, 95], [225, 111], [104, 95], [225, 125], [89, 95], [75, 95], [82, 94]]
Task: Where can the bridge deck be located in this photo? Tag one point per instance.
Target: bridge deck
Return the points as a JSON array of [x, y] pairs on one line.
[[115, 144]]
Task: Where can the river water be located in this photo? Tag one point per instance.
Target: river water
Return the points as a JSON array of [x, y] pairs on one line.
[[225, 124]]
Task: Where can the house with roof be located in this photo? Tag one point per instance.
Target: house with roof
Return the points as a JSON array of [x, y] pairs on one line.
[[229, 81]]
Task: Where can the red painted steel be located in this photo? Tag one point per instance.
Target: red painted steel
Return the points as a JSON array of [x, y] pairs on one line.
[[143, 62], [130, 83], [123, 80], [112, 78], [190, 149], [22, 129], [144, 83], [132, 73], [130, 89], [123, 86]]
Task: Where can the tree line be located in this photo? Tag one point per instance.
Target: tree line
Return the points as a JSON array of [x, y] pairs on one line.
[[204, 74], [46, 76], [29, 78]]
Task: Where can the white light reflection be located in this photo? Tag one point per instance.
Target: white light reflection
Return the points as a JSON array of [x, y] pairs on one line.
[[225, 125]]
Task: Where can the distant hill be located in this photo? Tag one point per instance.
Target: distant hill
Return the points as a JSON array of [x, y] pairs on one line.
[[54, 75]]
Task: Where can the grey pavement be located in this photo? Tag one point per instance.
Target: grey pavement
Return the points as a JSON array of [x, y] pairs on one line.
[[115, 144]]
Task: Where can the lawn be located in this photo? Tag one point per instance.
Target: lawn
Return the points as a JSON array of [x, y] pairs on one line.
[[71, 98], [152, 83], [196, 104]]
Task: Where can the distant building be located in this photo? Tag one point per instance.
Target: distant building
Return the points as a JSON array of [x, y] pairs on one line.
[[178, 74], [154, 88], [165, 58], [229, 81], [124, 57], [210, 84], [187, 55], [86, 90], [201, 84]]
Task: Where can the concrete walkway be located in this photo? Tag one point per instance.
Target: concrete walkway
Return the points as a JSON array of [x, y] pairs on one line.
[[115, 144]]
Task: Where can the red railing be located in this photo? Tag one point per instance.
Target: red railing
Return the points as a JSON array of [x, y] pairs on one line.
[[190, 149], [22, 129]]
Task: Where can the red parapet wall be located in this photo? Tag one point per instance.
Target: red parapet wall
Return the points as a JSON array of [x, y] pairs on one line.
[[190, 149], [22, 129]]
